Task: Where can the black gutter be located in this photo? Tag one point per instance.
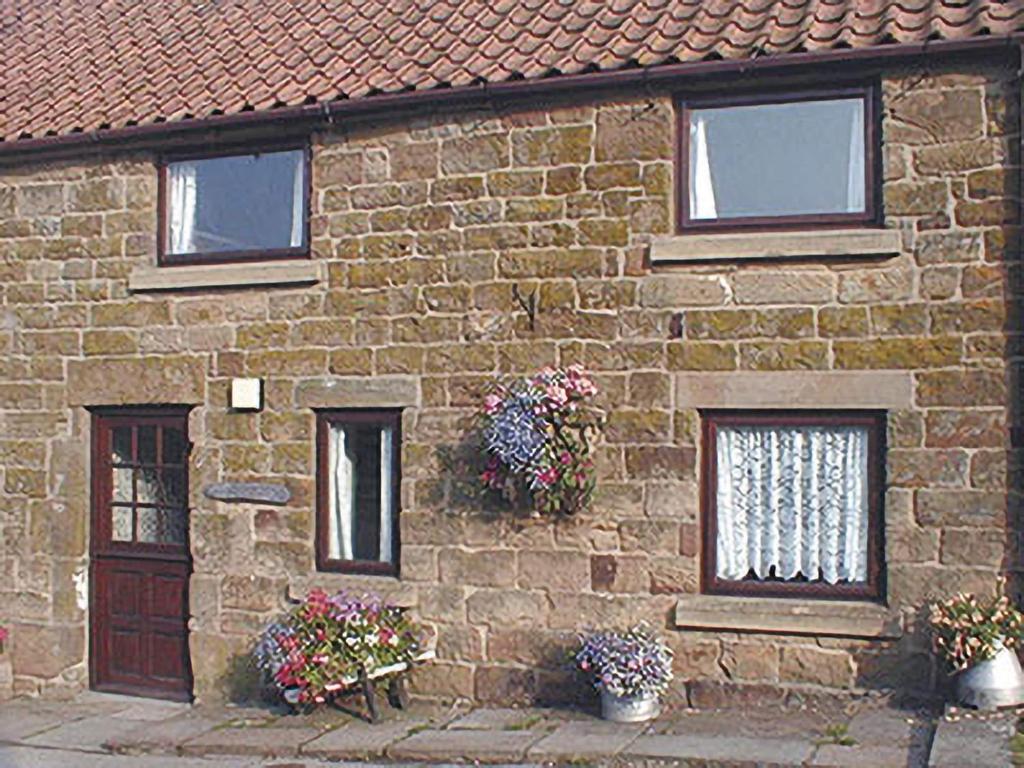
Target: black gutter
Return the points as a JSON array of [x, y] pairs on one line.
[[312, 115]]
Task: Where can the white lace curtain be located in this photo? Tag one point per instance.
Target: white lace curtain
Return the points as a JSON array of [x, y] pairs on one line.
[[342, 519], [181, 178], [792, 499]]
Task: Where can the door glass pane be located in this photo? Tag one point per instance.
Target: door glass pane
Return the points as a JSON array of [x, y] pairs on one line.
[[122, 485], [161, 526], [121, 523], [173, 446], [797, 158], [147, 444], [121, 445], [161, 486]]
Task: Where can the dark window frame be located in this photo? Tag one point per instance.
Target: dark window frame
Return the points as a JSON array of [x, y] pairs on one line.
[[325, 419], [166, 259], [875, 422], [871, 217]]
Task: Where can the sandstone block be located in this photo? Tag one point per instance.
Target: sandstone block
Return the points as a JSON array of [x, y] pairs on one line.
[[967, 429], [960, 508], [468, 154], [553, 570], [483, 568], [956, 388], [168, 379], [817, 666], [563, 145], [417, 160], [749, 323], [926, 468], [623, 135], [681, 291], [789, 287], [498, 608], [908, 353]]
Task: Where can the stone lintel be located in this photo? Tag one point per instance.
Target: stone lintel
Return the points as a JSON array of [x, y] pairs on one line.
[[294, 271], [359, 392], [173, 380], [840, 618], [795, 389], [776, 245]]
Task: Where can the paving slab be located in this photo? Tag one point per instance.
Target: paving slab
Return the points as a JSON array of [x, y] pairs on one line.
[[86, 735], [166, 736], [151, 711], [18, 721], [857, 756], [586, 739], [973, 741], [502, 719], [268, 741], [485, 746], [735, 750], [359, 741]]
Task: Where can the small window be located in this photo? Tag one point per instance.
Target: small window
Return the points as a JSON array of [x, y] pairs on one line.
[[236, 207], [793, 504], [358, 491], [801, 160]]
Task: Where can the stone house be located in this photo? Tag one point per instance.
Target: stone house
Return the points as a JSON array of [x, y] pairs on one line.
[[783, 239]]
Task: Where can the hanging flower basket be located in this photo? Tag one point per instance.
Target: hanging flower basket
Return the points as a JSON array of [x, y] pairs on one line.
[[538, 433]]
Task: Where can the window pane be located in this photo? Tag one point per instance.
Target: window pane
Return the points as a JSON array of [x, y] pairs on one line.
[[242, 203], [121, 445], [799, 158], [792, 503], [360, 515], [121, 523], [147, 444]]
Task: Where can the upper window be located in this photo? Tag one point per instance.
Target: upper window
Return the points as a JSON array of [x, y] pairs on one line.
[[251, 206], [793, 503], [779, 161], [358, 491]]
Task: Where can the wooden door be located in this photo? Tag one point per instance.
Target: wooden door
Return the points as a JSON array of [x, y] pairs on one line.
[[140, 563]]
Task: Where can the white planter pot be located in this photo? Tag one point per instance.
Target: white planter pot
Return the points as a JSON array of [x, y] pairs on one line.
[[998, 682], [629, 709]]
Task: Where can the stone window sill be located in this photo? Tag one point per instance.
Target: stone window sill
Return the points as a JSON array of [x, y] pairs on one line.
[[742, 246], [241, 275], [839, 618]]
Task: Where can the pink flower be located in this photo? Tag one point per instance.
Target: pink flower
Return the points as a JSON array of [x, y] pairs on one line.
[[492, 403], [556, 394], [565, 458], [3, 635], [548, 476]]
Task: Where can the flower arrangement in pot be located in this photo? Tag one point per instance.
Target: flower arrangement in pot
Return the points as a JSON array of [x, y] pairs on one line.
[[977, 639], [630, 670], [538, 434], [329, 645]]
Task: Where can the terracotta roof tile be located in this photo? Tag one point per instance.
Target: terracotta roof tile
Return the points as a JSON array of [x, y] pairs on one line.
[[82, 65]]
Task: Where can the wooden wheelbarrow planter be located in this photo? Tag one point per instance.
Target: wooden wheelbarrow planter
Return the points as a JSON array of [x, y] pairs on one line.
[[362, 684]]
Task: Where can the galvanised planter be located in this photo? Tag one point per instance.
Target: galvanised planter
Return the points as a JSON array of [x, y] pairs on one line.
[[992, 684], [629, 709]]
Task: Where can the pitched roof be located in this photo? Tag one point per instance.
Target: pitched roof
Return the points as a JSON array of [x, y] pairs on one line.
[[85, 65]]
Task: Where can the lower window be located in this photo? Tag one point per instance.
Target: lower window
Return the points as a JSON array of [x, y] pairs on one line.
[[358, 481], [792, 503]]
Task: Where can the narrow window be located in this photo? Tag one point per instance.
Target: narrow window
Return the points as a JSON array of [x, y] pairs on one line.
[[358, 491], [793, 503], [784, 161], [234, 207]]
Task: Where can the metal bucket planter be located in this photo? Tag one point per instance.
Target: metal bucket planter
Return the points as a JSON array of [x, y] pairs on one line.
[[998, 682], [629, 709]]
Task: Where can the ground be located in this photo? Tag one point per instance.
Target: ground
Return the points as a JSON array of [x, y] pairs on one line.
[[100, 731]]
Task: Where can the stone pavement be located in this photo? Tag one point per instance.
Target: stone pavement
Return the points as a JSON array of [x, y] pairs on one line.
[[863, 732]]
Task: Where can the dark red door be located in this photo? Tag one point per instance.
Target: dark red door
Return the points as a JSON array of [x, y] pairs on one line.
[[140, 554]]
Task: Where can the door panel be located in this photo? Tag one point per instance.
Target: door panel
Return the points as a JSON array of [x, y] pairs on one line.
[[140, 555]]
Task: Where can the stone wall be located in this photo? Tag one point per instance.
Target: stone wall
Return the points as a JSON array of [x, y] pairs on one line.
[[425, 227]]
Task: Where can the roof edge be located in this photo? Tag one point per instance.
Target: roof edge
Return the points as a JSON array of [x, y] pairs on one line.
[[310, 115]]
